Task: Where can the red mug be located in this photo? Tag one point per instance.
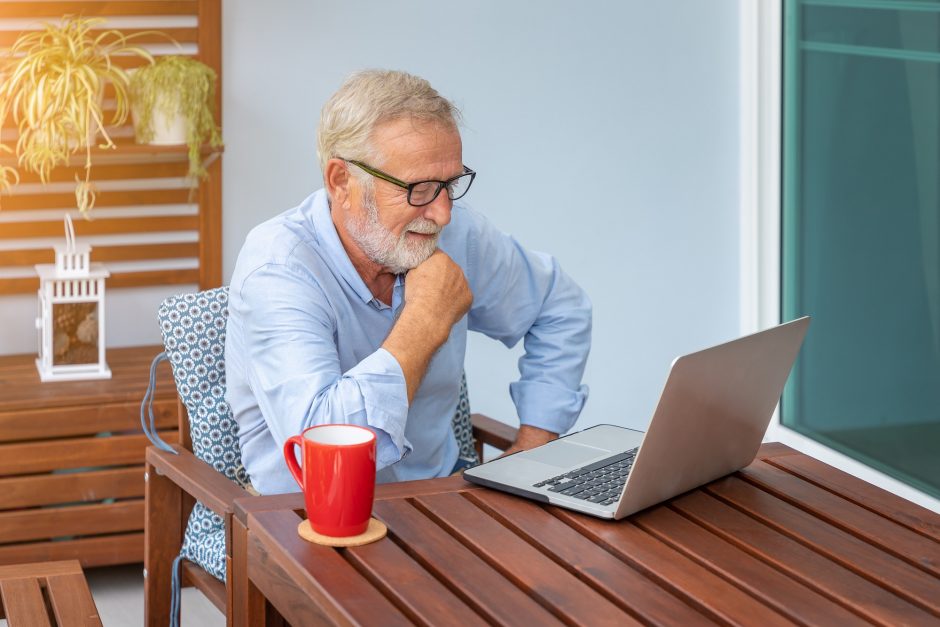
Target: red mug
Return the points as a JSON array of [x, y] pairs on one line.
[[337, 477]]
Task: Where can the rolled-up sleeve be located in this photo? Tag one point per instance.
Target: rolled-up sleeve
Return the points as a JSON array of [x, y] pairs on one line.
[[293, 368], [524, 295]]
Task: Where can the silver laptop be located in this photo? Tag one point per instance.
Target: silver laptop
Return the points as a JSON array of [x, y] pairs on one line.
[[710, 420]]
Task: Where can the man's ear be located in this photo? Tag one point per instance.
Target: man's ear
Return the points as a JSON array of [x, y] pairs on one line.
[[336, 179]]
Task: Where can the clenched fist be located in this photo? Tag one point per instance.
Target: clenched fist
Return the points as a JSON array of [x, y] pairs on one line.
[[438, 290]]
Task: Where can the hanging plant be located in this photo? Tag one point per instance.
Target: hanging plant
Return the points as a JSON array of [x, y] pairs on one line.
[[53, 88], [176, 87]]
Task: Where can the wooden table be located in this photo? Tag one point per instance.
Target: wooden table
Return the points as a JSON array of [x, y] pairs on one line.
[[786, 540], [46, 593], [71, 460]]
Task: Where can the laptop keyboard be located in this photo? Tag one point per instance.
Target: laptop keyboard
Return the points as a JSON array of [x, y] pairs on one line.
[[601, 482]]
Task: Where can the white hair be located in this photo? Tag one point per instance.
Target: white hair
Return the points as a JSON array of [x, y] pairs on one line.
[[370, 98]]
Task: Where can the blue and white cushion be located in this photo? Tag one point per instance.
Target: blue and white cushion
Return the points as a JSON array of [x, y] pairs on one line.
[[193, 327]]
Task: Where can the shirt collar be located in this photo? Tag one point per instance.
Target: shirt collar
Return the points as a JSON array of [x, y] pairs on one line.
[[337, 255]]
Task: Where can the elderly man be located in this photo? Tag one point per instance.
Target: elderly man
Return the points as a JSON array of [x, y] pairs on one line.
[[354, 307]]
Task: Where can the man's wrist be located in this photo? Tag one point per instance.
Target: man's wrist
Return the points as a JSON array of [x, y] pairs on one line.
[[529, 436], [426, 322]]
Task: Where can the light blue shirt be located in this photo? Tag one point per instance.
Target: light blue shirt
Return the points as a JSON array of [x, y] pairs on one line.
[[304, 336]]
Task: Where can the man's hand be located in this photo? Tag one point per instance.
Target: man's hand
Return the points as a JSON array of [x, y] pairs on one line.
[[436, 296], [437, 289], [529, 437]]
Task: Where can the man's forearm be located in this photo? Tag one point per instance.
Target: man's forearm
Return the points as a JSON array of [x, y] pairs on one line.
[[413, 341], [436, 296]]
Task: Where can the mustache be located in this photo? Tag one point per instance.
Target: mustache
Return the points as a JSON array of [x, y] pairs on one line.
[[423, 226]]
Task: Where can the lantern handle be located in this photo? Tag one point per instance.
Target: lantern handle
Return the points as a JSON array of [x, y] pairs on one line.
[[69, 234]]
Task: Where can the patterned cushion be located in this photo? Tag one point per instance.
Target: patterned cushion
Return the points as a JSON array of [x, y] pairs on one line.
[[193, 327], [463, 429]]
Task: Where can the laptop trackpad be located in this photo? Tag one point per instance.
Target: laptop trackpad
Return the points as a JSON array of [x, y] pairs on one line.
[[565, 454]]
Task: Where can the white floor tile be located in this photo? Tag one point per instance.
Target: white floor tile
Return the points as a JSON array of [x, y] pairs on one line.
[[119, 595]]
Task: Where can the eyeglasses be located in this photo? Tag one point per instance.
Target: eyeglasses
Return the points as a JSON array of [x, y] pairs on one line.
[[423, 193]]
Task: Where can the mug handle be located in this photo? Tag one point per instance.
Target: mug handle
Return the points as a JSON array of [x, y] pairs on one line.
[[290, 456]]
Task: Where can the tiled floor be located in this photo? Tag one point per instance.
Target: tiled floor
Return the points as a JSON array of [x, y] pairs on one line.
[[119, 595]]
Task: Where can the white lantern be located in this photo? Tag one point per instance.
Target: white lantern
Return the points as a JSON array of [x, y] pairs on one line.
[[71, 314]]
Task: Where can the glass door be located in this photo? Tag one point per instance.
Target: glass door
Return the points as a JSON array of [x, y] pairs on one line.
[[861, 229]]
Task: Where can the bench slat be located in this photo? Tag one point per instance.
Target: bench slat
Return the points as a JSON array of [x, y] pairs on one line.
[[57, 422], [71, 600], [96, 485], [35, 457], [105, 550], [23, 603], [95, 519]]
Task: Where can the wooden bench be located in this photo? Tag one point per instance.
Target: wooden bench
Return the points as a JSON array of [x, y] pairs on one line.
[[71, 460], [46, 593]]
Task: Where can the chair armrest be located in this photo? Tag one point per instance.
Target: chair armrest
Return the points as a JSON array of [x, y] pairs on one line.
[[493, 432], [197, 478]]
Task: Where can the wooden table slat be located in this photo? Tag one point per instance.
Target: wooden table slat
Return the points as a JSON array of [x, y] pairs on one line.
[[21, 598], [760, 579], [880, 566], [525, 566], [632, 590], [771, 450], [424, 599], [786, 541], [870, 497], [481, 587], [71, 600], [714, 595], [410, 489], [840, 584], [841, 513], [343, 595]]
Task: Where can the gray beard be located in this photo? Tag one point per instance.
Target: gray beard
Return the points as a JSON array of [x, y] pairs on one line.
[[382, 246]]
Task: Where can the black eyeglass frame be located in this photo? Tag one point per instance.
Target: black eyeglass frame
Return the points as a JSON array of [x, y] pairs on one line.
[[411, 186]]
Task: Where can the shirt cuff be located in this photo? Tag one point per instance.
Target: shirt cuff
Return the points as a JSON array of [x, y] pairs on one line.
[[385, 400], [546, 406]]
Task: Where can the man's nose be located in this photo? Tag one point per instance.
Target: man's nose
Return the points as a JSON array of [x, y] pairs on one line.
[[438, 211]]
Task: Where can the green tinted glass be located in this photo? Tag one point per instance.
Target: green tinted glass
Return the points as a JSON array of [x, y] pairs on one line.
[[861, 229]]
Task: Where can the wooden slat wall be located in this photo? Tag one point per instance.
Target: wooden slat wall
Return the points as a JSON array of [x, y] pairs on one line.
[[71, 460], [141, 189]]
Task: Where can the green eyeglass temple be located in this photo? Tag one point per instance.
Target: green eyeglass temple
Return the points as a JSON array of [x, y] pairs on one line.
[[452, 190]]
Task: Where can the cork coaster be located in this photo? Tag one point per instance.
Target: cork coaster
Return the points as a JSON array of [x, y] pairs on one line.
[[375, 531]]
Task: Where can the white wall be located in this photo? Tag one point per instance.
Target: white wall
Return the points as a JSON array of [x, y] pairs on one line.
[[603, 132]]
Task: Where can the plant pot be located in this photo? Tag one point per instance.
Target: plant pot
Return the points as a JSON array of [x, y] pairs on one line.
[[168, 130]]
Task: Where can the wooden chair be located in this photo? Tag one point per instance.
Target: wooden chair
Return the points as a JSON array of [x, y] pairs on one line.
[[176, 479]]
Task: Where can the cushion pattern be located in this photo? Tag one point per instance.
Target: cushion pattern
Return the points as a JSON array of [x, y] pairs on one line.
[[463, 428], [193, 327]]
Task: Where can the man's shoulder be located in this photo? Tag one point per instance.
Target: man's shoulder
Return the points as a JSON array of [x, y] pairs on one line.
[[288, 238]]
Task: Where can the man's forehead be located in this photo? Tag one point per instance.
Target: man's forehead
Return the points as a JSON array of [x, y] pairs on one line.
[[415, 141], [415, 130]]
